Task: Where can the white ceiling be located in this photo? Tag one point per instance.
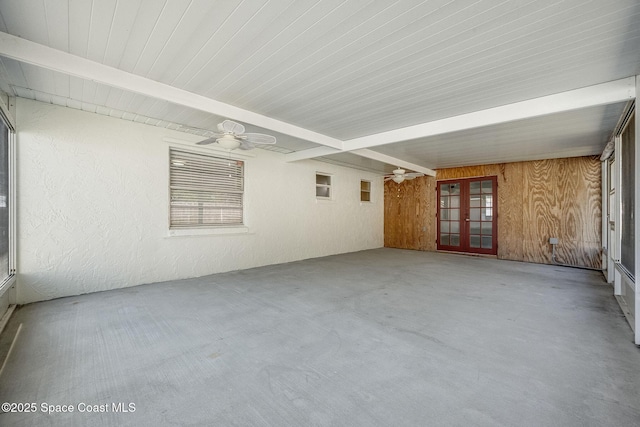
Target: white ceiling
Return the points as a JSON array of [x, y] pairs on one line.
[[337, 73]]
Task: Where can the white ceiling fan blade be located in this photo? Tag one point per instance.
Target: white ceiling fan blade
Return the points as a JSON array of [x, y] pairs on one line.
[[260, 138], [244, 145], [207, 141], [412, 175], [230, 127]]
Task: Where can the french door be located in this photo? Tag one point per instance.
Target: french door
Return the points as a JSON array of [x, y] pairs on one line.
[[467, 216]]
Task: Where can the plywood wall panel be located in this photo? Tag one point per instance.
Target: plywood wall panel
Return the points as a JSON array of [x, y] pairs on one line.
[[540, 213], [407, 220], [510, 211], [536, 200]]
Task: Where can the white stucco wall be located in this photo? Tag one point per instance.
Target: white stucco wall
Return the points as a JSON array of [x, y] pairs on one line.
[[93, 208]]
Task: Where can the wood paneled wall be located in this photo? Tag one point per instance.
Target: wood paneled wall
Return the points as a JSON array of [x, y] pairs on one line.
[[409, 214], [536, 200]]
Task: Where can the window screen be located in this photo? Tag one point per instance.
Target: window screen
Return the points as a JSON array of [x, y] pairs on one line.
[[4, 201], [627, 254], [205, 191]]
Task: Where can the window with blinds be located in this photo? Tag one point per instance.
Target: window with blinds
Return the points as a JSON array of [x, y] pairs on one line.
[[205, 191]]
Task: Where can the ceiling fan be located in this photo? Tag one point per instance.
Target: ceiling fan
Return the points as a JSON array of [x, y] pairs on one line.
[[400, 175], [231, 135]]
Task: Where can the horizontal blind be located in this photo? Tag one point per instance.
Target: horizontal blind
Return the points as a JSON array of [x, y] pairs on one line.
[[206, 191]]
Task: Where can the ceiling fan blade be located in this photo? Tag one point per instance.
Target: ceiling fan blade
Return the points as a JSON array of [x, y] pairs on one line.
[[244, 145], [207, 141], [412, 175], [260, 138], [230, 127]]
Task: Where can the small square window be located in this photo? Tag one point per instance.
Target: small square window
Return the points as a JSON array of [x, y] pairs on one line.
[[323, 186], [365, 191]]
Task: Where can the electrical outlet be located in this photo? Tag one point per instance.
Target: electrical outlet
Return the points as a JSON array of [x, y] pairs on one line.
[[553, 240]]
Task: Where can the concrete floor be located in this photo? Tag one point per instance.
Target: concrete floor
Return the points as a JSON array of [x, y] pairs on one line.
[[376, 338]]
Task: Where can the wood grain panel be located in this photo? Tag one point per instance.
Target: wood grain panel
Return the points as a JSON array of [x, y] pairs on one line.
[[536, 200], [510, 211], [540, 213], [408, 222]]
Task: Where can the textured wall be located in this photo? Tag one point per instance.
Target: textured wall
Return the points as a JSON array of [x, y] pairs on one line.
[[93, 207], [536, 200]]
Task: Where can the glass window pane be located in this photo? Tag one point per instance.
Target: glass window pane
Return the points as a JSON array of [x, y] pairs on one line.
[[454, 214], [487, 201], [487, 242], [444, 226], [323, 179], [455, 240], [474, 214], [474, 187], [323, 191], [444, 189], [487, 214], [444, 239], [474, 241], [474, 227], [454, 188], [455, 227], [487, 228], [454, 201], [487, 186], [444, 214], [474, 202]]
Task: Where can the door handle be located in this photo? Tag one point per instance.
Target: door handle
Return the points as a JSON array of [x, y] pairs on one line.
[[467, 219]]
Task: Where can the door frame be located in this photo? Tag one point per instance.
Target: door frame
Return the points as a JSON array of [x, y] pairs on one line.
[[464, 216]]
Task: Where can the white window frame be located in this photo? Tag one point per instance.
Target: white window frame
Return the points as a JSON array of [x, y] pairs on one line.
[[368, 191], [8, 283], [322, 187]]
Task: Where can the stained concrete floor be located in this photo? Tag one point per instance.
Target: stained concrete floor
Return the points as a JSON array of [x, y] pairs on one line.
[[375, 338]]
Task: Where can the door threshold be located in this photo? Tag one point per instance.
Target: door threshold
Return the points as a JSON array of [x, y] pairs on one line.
[[468, 254]]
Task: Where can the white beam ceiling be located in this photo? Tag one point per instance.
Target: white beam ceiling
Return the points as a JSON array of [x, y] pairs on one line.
[[602, 94], [48, 58], [52, 59], [388, 159], [42, 56]]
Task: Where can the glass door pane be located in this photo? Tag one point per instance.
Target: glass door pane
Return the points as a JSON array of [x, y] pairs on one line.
[[449, 205], [481, 214]]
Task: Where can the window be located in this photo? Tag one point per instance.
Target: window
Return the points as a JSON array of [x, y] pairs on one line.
[[627, 197], [5, 231], [205, 191], [323, 186], [365, 191]]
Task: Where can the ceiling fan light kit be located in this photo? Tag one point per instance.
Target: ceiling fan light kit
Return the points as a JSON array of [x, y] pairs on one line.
[[228, 142]]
